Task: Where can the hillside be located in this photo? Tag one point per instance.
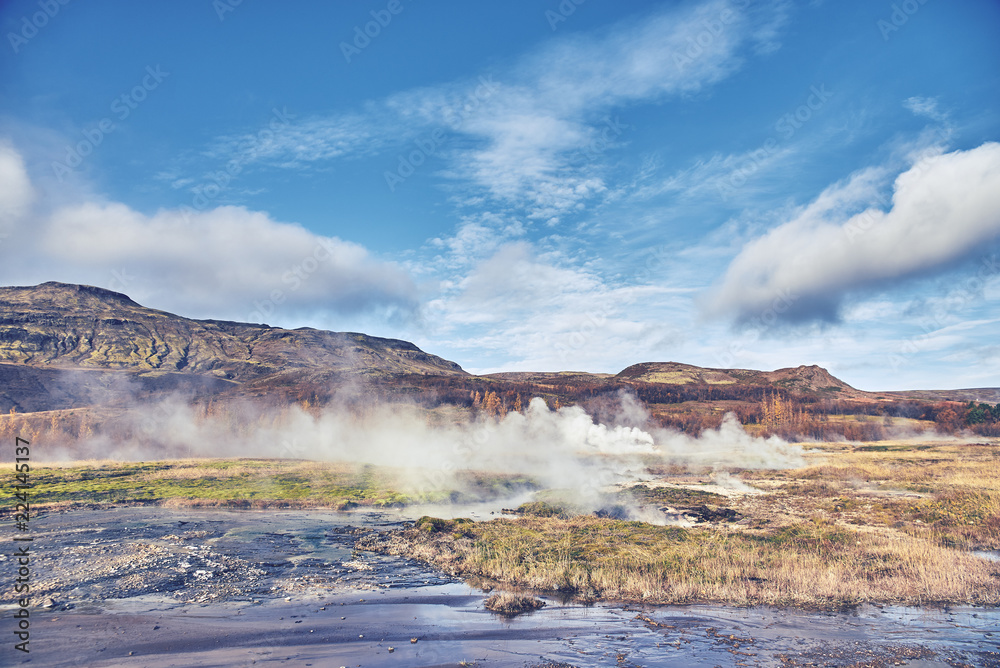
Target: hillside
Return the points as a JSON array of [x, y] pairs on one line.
[[65, 348], [977, 394], [61, 345], [808, 380]]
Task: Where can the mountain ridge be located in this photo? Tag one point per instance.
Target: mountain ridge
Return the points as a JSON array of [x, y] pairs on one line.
[[68, 327], [52, 329], [803, 378]]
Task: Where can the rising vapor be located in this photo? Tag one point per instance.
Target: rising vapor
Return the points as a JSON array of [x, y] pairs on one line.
[[562, 449]]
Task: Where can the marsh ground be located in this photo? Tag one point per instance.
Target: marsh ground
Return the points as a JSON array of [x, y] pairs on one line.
[[889, 523]]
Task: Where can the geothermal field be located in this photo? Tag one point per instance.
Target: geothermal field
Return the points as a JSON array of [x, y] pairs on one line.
[[527, 334], [538, 539]]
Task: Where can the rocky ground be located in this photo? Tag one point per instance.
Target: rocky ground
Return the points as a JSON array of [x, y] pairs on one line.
[[198, 557]]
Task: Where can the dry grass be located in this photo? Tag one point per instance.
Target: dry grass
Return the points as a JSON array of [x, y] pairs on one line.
[[946, 492], [815, 565], [187, 469], [861, 524]]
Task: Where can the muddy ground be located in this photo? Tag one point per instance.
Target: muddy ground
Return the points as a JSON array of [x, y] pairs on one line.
[[149, 586]]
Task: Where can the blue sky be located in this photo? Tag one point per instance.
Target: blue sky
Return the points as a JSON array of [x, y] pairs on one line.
[[526, 185]]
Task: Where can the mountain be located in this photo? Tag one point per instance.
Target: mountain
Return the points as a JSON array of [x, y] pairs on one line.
[[978, 394], [803, 380], [64, 345], [812, 381]]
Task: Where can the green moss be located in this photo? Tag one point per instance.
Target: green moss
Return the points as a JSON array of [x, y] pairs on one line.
[[819, 535], [542, 509], [905, 447], [673, 496], [958, 509], [260, 481]]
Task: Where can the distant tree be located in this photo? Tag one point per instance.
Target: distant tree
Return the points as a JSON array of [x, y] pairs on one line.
[[776, 412], [978, 414], [948, 419], [493, 405]]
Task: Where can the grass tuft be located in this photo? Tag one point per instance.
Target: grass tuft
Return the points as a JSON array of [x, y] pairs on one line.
[[510, 604]]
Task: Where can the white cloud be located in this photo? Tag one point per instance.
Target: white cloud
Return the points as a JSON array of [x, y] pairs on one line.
[[944, 209], [721, 176], [291, 144], [226, 262], [16, 192], [533, 139], [873, 311], [538, 312], [543, 135], [475, 239], [925, 106]]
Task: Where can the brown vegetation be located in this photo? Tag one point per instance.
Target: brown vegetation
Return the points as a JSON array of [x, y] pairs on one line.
[[827, 413]]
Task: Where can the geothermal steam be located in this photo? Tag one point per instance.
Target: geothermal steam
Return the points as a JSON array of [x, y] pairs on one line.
[[562, 449]]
